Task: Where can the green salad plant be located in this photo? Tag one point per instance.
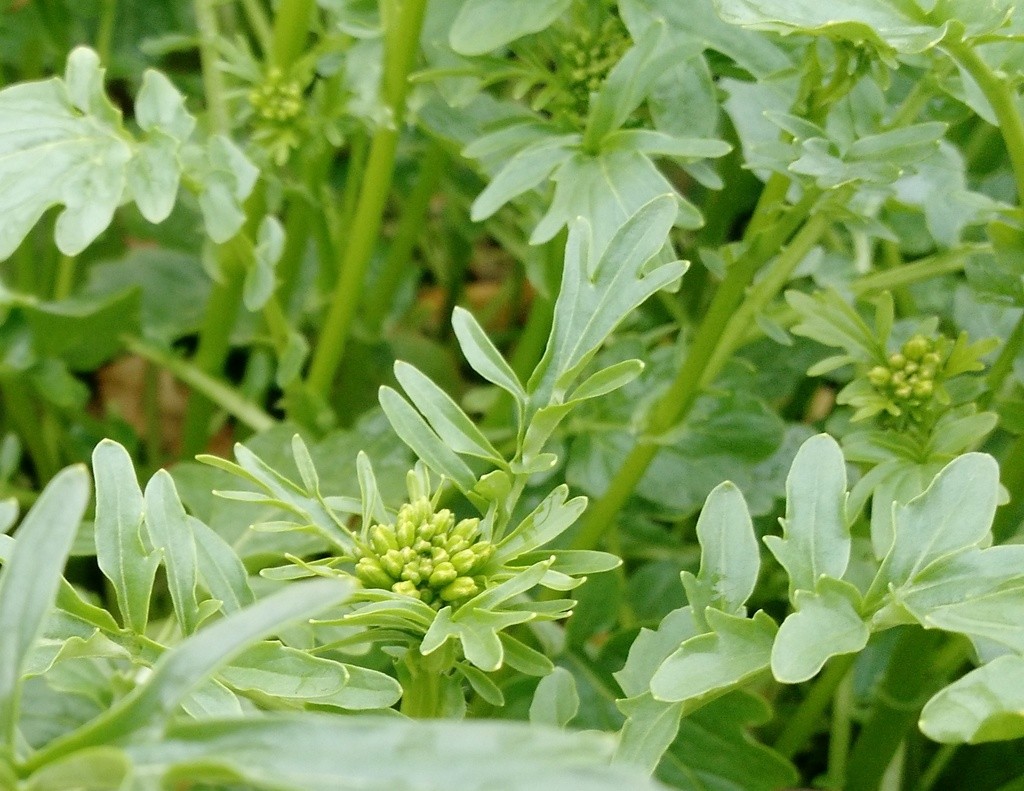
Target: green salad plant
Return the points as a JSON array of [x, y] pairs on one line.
[[605, 394]]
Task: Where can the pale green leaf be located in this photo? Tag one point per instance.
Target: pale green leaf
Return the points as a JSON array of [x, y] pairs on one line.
[[556, 701]]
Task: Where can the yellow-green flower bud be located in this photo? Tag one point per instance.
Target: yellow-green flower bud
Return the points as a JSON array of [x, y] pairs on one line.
[[932, 358], [467, 529], [897, 360], [392, 562], [372, 575], [407, 588], [444, 573], [382, 539], [924, 389], [461, 588], [464, 561], [904, 391], [916, 348], [879, 376]]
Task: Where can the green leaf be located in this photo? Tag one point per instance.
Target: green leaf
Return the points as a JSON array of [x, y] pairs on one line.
[[709, 665], [120, 553], [446, 417], [600, 289], [985, 705], [485, 25], [815, 538], [170, 533], [540, 527], [477, 630], [96, 769], [556, 701], [287, 673], [527, 169], [483, 356], [227, 178], [730, 559], [30, 581], [827, 623], [660, 144], [607, 380], [259, 277], [315, 752], [197, 658], [651, 726], [426, 444], [955, 513], [61, 143], [220, 568], [83, 332]]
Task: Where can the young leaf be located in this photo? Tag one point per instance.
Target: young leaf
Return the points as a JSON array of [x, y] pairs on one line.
[[29, 583], [196, 659], [527, 169], [816, 539], [596, 296], [452, 425], [120, 553], [955, 513], [985, 705], [485, 25], [170, 532], [729, 557], [415, 433], [827, 623], [481, 354], [220, 568], [709, 665], [556, 700]]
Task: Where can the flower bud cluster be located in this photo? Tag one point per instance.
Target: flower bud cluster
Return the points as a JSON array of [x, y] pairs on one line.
[[278, 100], [425, 555], [911, 375], [587, 60]]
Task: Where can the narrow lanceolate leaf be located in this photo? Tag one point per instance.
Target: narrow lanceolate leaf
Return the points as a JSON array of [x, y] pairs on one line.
[[444, 415], [955, 513], [485, 25], [424, 442], [196, 659], [985, 705], [220, 568], [729, 556], [483, 356], [170, 532], [815, 538], [709, 665], [29, 583], [827, 623], [119, 549]]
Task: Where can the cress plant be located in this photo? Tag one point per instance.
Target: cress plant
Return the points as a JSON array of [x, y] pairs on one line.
[[518, 498]]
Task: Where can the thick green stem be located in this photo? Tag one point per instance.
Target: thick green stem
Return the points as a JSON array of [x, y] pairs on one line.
[[213, 78], [214, 343], [410, 227], [731, 311], [909, 679], [401, 46], [804, 722], [105, 31], [1003, 101], [291, 30], [1003, 365], [424, 680]]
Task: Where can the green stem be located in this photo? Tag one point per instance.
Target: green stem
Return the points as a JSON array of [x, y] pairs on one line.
[[213, 78], [259, 23], [1011, 473], [840, 733], [214, 343], [937, 766], [291, 30], [218, 393], [423, 680], [728, 315], [21, 407], [105, 31], [401, 46], [410, 227], [1003, 365], [909, 678], [65, 280], [1003, 100], [804, 722]]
